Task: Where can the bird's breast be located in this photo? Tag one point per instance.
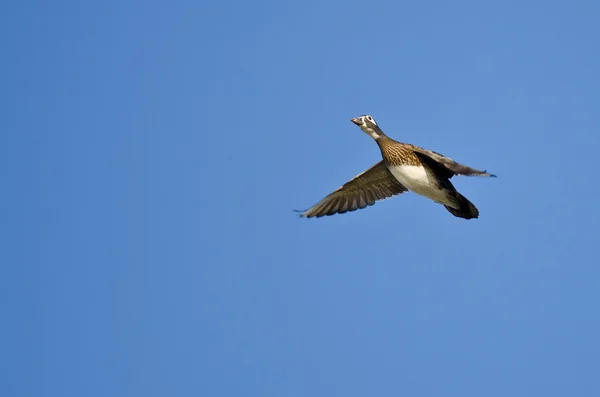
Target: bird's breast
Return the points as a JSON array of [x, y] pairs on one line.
[[411, 176], [416, 179]]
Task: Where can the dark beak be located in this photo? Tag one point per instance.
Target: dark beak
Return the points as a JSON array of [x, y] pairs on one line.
[[356, 121]]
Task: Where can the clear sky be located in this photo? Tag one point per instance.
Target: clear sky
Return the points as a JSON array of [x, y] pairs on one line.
[[151, 154]]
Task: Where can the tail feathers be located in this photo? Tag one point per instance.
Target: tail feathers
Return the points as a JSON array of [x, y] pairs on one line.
[[465, 209]]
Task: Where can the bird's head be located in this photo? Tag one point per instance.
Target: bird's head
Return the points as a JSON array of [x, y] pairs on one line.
[[369, 126]]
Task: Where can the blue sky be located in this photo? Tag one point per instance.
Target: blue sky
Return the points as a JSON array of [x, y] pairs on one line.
[[152, 153]]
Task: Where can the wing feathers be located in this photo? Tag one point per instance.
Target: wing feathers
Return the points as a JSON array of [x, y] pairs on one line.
[[376, 183], [454, 167]]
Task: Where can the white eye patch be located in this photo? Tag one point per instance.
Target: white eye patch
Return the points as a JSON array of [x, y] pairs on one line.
[[371, 119]]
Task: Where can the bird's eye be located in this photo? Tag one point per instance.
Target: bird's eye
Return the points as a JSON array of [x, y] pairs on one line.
[[369, 118]]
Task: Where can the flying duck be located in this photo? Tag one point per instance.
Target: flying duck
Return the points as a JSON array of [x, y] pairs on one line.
[[404, 167]]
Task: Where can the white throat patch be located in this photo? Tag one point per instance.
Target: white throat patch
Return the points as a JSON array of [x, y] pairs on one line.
[[369, 131], [373, 134]]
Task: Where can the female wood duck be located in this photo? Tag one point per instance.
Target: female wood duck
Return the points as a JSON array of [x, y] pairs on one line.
[[404, 167]]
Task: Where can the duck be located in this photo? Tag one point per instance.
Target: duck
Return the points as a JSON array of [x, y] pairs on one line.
[[404, 167]]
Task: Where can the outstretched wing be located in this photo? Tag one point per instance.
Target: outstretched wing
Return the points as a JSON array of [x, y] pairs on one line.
[[452, 167], [376, 183]]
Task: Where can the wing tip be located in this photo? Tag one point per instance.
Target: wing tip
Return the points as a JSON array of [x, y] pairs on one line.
[[302, 214]]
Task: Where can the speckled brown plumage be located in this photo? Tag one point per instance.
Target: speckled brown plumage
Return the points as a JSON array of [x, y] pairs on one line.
[[397, 153]]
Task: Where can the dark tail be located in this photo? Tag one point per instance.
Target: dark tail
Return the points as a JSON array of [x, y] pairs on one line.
[[466, 208]]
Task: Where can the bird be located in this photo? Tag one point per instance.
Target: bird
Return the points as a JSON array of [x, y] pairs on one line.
[[404, 167]]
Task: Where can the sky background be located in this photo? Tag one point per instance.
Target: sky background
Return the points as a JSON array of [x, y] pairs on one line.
[[151, 154]]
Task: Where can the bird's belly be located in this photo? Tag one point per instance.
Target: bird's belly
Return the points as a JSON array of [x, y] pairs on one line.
[[416, 179]]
